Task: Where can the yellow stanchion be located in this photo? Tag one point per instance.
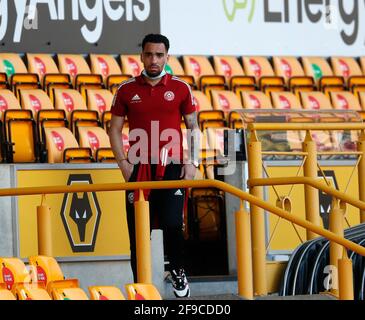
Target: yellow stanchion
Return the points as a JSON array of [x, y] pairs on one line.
[[336, 226], [361, 173], [243, 249], [257, 219], [345, 278], [143, 239], [44, 228], [310, 193]]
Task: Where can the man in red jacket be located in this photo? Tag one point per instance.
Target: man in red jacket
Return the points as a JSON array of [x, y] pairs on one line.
[[154, 104]]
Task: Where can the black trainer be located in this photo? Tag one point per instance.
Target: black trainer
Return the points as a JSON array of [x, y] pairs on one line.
[[180, 283]]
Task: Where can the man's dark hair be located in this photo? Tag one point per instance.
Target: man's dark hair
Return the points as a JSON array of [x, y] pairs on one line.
[[156, 38]]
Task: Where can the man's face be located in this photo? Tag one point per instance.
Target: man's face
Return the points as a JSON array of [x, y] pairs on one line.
[[154, 58]]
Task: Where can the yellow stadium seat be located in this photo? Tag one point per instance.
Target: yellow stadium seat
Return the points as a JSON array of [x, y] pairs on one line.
[[20, 136], [291, 70], [261, 69], [315, 101], [131, 64], [345, 67], [105, 293], [69, 294], [99, 100], [201, 101], [142, 291], [256, 100], [174, 66], [257, 67], [200, 68], [76, 110], [61, 146], [316, 67], [11, 63], [16, 278], [13, 271], [113, 82], [105, 65], [31, 291], [345, 101], [35, 100], [50, 275], [41, 64], [225, 100], [285, 100], [97, 140], [6, 294], [227, 66], [7, 101], [73, 64], [242, 83]]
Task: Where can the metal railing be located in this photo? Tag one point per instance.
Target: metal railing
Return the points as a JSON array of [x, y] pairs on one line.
[[245, 271], [311, 186]]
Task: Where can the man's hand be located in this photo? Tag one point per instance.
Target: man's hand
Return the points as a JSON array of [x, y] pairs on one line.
[[188, 172], [126, 168]]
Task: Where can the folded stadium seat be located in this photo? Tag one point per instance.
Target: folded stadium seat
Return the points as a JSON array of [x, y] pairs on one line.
[[315, 101], [5, 294], [131, 64], [319, 101], [100, 100], [113, 83], [81, 76], [261, 69], [61, 146], [45, 67], [345, 100], [47, 70], [291, 70], [97, 140], [142, 291], [174, 67], [16, 278], [17, 73], [76, 110], [105, 293], [200, 68], [228, 102], [346, 67], [256, 100], [49, 273], [106, 65], [74, 65], [13, 271], [285, 100], [322, 73], [205, 109], [230, 68], [41, 106]]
